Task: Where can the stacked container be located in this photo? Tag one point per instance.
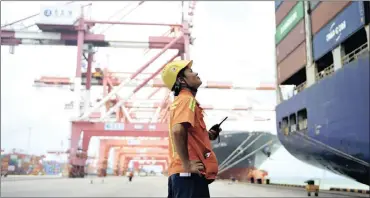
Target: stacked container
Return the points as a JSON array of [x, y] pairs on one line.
[[331, 24], [290, 39]]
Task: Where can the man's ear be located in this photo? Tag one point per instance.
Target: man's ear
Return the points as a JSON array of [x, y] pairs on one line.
[[181, 80]]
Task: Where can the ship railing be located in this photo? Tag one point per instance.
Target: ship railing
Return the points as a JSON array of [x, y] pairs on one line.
[[330, 69], [301, 87], [324, 73], [355, 53]]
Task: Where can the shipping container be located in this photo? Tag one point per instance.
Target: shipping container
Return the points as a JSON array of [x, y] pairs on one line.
[[52, 167], [293, 63], [277, 4], [289, 22], [338, 29], [13, 161], [4, 163], [324, 12], [290, 42], [314, 4], [283, 11], [27, 159], [13, 156]]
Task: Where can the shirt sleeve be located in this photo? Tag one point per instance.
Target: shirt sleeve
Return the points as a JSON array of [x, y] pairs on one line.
[[183, 111]]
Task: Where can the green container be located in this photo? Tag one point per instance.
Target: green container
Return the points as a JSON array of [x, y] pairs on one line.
[[289, 22]]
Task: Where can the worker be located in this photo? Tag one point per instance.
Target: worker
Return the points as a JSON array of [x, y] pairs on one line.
[[130, 176], [232, 179], [193, 165]]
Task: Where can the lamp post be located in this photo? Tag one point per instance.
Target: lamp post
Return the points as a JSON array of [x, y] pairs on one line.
[[29, 139]]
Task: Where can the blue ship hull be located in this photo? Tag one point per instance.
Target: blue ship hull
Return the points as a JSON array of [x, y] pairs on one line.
[[337, 134]]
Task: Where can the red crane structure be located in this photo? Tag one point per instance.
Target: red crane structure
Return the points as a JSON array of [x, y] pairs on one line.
[[121, 165], [76, 30], [127, 146], [122, 160], [123, 157], [59, 153]]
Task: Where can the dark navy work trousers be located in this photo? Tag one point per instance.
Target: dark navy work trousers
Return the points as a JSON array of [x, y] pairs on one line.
[[194, 186]]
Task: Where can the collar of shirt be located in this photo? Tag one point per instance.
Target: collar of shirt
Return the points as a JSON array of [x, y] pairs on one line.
[[188, 93]]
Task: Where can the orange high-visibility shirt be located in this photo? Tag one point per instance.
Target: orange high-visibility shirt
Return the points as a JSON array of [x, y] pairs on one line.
[[185, 109]]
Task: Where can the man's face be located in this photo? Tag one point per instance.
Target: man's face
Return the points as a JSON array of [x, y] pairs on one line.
[[192, 78]]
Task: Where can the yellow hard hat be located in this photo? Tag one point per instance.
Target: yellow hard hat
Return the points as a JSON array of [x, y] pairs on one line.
[[172, 69]]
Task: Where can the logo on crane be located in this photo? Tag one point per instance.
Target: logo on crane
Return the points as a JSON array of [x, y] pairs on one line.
[[114, 126], [57, 12], [47, 12]]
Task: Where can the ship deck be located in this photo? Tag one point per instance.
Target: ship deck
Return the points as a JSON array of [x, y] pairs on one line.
[[39, 186]]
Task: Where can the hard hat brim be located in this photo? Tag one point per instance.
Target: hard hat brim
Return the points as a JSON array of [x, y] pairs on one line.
[[190, 64]]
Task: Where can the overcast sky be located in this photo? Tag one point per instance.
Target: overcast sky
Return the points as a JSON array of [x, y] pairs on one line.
[[234, 41]]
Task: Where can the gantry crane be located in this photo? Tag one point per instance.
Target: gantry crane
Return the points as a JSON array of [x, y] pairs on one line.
[[103, 162], [77, 31], [125, 145], [130, 109], [123, 158], [59, 153]]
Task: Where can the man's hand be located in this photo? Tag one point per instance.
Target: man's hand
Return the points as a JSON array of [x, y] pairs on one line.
[[193, 166], [212, 135], [214, 132], [216, 128]]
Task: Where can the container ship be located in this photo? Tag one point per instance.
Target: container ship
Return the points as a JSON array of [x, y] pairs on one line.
[[240, 153], [322, 58]]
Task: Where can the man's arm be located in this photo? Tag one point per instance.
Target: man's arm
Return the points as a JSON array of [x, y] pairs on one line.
[[180, 136], [182, 118]]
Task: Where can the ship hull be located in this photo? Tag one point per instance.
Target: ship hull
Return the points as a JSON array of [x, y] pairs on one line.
[[337, 134], [261, 145]]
